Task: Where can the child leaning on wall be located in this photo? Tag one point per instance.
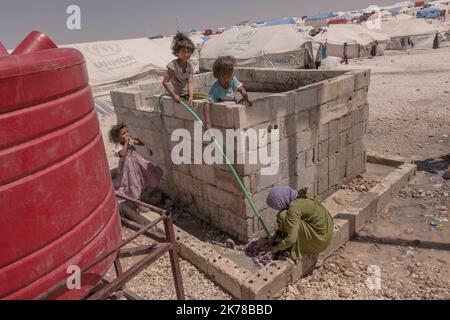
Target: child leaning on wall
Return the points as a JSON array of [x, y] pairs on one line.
[[179, 78], [225, 87], [134, 173]]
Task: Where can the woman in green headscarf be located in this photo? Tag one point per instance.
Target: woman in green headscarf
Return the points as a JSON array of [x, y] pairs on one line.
[[304, 224]]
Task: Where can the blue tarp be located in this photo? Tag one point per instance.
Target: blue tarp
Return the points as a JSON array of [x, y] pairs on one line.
[[395, 11], [276, 22], [320, 16], [429, 13]]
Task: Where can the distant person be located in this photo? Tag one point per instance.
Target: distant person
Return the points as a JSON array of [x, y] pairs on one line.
[[305, 226], [134, 173], [345, 54], [374, 50], [436, 41], [225, 87], [179, 78]]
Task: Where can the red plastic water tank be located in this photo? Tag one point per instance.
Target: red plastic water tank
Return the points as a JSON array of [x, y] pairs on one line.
[[57, 205]]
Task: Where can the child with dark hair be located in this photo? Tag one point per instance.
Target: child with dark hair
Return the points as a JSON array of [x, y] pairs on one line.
[[179, 78], [134, 173], [226, 86]]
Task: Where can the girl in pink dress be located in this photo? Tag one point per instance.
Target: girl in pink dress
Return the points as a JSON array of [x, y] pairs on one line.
[[134, 173]]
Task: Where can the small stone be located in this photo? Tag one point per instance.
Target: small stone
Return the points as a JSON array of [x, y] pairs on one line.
[[349, 274], [343, 293], [291, 289], [301, 289], [409, 231], [445, 136], [230, 243]]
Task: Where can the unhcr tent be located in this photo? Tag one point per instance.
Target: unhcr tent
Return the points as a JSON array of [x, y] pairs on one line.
[[275, 46], [359, 39], [407, 34], [114, 64], [110, 62]]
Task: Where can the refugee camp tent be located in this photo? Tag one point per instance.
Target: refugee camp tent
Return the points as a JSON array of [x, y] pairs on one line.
[[318, 19], [114, 64], [359, 39], [408, 34], [429, 13], [275, 46], [276, 22]]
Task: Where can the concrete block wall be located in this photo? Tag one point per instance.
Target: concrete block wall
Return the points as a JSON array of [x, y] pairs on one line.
[[322, 120]]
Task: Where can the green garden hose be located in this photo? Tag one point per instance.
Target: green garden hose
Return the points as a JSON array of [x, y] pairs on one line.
[[236, 176]]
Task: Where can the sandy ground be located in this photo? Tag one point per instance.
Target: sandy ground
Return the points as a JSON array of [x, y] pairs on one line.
[[410, 117]]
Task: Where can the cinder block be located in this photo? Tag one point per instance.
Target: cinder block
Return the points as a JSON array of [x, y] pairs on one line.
[[358, 148], [322, 168], [306, 98], [346, 84], [228, 274], [323, 151], [344, 123], [282, 105], [333, 145], [260, 112], [333, 129], [309, 158], [332, 162], [268, 283], [333, 178], [130, 99], [344, 140], [223, 115], [323, 132], [362, 79], [221, 197], [204, 172], [295, 124], [328, 91]]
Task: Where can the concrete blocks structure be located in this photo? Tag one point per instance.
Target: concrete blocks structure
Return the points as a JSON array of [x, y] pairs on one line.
[[321, 118]]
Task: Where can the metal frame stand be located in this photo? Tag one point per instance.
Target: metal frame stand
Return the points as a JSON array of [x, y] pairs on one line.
[[165, 244]]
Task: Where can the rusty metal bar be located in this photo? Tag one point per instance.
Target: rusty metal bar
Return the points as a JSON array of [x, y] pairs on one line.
[[134, 252], [126, 292], [151, 234], [143, 204], [174, 260], [62, 283], [159, 250]]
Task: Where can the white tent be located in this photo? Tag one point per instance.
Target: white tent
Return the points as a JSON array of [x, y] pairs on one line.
[[274, 46], [359, 40], [413, 33], [114, 64], [116, 61]]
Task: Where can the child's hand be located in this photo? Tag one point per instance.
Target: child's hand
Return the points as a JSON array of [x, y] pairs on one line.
[[176, 99], [191, 102], [246, 102]]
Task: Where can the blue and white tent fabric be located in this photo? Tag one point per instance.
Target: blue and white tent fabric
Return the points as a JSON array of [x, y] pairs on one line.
[[320, 16], [429, 13], [276, 22]]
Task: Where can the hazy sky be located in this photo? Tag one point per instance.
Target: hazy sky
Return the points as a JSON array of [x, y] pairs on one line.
[[121, 19]]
